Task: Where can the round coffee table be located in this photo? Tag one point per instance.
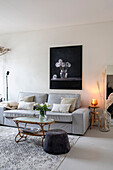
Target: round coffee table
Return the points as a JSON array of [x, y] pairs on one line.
[[22, 133]]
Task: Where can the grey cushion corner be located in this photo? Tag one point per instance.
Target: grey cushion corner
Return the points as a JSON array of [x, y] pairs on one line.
[[38, 97], [56, 98]]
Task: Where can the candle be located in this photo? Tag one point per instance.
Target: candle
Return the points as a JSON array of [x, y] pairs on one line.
[[94, 102]]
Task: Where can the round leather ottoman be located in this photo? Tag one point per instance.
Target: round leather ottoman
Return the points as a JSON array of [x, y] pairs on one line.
[[56, 142]]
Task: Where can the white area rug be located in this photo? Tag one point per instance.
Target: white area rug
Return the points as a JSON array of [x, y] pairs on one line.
[[26, 155]]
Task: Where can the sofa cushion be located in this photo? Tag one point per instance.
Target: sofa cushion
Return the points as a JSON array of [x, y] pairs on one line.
[[26, 105], [39, 97], [64, 108], [27, 98], [17, 113], [58, 117], [56, 98], [71, 101]]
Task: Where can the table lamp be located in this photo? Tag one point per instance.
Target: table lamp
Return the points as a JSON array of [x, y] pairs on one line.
[[94, 102]]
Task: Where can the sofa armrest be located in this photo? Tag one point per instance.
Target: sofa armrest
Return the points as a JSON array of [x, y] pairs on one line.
[[80, 120], [2, 109]]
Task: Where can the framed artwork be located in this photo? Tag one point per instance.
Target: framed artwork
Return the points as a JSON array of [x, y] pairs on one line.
[[66, 67], [109, 88]]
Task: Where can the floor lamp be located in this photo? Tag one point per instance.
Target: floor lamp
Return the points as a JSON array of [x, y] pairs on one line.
[[3, 51], [7, 73]]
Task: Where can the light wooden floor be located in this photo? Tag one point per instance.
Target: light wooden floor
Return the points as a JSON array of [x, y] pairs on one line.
[[94, 151]]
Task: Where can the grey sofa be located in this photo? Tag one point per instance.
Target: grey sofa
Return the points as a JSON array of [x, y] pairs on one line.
[[76, 122]]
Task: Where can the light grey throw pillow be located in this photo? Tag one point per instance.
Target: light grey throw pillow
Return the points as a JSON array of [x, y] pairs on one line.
[[63, 108], [26, 105]]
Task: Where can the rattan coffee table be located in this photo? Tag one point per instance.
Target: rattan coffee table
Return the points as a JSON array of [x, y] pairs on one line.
[[22, 133]]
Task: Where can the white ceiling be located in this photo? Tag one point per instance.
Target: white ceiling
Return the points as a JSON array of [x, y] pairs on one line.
[[28, 15]]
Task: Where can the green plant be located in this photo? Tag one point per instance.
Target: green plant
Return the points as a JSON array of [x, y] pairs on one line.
[[42, 107]]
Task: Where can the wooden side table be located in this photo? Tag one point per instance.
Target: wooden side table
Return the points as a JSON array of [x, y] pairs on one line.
[[94, 116]]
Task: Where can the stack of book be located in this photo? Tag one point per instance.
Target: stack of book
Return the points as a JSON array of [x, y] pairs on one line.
[[31, 131]]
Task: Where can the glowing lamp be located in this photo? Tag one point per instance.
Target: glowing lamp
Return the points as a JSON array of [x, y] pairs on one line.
[[94, 102]]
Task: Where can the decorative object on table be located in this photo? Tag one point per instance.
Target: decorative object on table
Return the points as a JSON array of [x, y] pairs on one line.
[[42, 108], [56, 142], [4, 50], [63, 68], [94, 114], [30, 130], [7, 74], [66, 64], [105, 117], [94, 102]]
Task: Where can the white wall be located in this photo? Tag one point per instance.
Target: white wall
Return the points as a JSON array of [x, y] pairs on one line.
[[28, 62]]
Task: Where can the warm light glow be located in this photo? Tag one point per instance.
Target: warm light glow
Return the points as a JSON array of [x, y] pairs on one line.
[[94, 102]]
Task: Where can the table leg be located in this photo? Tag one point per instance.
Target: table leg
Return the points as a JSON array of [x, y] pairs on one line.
[[99, 120], [42, 127], [25, 136], [92, 120], [48, 127], [25, 125], [19, 134]]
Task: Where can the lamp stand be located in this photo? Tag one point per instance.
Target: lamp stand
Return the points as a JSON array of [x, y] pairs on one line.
[[7, 85]]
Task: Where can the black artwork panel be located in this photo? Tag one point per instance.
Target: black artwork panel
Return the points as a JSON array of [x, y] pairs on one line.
[[109, 85], [66, 67]]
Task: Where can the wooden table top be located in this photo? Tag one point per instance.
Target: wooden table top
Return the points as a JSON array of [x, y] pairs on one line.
[[92, 106], [33, 120]]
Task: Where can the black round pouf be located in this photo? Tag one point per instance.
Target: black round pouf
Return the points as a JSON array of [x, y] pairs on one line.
[[56, 142]]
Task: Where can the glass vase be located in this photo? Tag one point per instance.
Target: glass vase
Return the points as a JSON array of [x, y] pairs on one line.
[[63, 74], [42, 115], [105, 121]]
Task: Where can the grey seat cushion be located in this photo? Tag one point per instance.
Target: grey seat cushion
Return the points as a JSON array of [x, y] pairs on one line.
[[58, 117], [39, 97], [17, 113], [55, 98]]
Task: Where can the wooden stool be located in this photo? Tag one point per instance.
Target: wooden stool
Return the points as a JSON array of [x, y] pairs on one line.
[[94, 116]]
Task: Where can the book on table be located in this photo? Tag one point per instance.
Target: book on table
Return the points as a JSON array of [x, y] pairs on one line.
[[29, 130]]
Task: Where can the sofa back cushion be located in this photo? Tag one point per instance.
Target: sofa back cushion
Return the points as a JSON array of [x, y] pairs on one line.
[[55, 98], [27, 98], [38, 97]]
